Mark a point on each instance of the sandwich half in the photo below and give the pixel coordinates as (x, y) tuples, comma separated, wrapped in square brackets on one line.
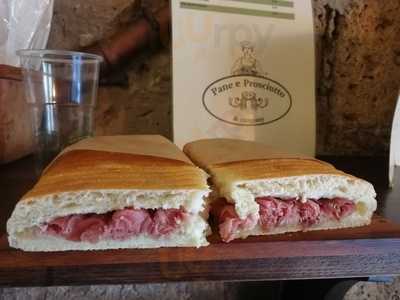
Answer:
[(114, 192), (261, 191)]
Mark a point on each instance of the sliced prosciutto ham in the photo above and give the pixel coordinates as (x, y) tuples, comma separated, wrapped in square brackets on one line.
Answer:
[(165, 221), (274, 212), (337, 208), (229, 221), (92, 229), (118, 225), (129, 222), (76, 227), (309, 212)]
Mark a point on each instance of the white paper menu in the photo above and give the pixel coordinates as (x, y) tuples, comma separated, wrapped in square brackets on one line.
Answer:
[(244, 69), (394, 162)]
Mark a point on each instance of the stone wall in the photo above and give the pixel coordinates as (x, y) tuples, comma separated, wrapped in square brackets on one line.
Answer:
[(170, 291), (359, 74), (359, 71)]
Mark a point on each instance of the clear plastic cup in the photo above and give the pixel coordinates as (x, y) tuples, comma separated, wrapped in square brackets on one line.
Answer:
[(61, 90)]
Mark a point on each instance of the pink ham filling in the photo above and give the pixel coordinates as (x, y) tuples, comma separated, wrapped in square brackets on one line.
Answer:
[(117, 225), (275, 212)]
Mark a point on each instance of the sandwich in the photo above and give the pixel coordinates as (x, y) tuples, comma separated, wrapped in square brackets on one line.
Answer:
[(114, 192), (261, 191)]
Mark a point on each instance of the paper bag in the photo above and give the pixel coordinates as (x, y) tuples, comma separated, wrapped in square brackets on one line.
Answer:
[(244, 69)]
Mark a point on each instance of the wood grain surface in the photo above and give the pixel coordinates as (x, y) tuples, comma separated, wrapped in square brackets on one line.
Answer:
[(365, 251), (10, 72)]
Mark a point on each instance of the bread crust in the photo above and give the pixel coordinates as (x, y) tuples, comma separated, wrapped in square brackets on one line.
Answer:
[(238, 160), (151, 145), (209, 152), (273, 168), (92, 170), (139, 162)]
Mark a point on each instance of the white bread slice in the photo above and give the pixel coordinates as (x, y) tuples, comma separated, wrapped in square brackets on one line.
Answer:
[(190, 234), (123, 171), (243, 193), (241, 171), (351, 221)]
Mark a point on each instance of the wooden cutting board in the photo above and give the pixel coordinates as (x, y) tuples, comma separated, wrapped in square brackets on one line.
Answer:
[(358, 252)]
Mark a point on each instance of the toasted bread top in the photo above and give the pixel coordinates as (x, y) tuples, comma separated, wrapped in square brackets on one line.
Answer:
[(120, 162)]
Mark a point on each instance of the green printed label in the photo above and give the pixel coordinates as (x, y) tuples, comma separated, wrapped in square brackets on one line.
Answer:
[(267, 2), (237, 10)]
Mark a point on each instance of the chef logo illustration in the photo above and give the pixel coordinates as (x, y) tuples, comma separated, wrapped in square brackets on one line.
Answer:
[(247, 64), (248, 100), (247, 96)]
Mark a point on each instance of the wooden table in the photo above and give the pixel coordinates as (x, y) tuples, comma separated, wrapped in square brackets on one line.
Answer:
[(361, 252)]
